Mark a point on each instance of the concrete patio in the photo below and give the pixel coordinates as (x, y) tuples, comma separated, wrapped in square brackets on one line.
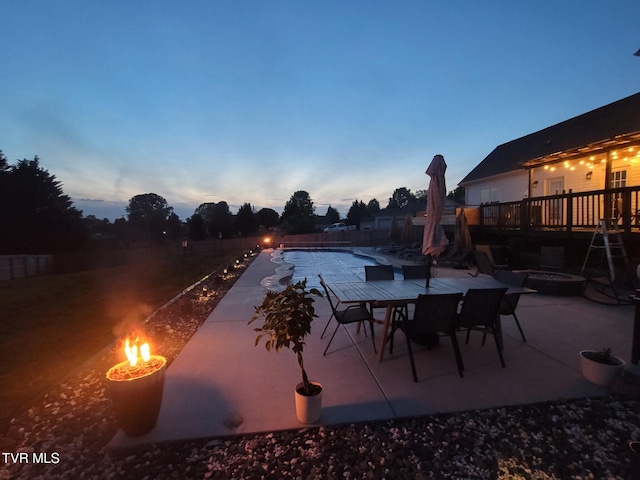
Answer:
[(221, 384)]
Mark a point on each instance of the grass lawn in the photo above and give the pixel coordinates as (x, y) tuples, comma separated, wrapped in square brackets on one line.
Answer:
[(51, 324)]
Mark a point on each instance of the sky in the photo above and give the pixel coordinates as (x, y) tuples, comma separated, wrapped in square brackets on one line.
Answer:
[(251, 101)]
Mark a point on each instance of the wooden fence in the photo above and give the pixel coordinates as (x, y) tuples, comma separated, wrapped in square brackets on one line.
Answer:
[(567, 211)]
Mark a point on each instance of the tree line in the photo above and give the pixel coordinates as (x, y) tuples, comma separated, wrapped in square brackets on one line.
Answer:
[(37, 217)]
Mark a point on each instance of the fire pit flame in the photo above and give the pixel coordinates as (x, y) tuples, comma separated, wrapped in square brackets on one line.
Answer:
[(132, 351)]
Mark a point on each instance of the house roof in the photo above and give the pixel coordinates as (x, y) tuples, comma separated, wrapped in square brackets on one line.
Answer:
[(616, 124)]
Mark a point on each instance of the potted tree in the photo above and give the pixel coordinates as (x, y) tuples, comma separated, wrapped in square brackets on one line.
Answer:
[(287, 321), (601, 366)]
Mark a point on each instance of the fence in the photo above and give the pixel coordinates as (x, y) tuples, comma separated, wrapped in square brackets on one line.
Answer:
[(17, 266), (91, 260), (357, 238)]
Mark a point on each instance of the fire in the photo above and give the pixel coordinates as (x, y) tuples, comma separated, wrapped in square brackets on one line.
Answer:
[(136, 351)]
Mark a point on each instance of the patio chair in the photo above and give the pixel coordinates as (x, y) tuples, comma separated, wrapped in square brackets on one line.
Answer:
[(480, 312), (483, 264), (454, 256), (351, 314), (381, 272), (410, 251), (510, 300), (416, 272), (378, 272), (390, 249), (433, 315), (487, 250)]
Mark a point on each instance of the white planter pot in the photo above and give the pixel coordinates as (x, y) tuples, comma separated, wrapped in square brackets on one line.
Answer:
[(308, 409), (600, 373)]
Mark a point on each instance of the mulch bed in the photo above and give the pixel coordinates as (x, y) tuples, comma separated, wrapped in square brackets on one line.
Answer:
[(71, 425)]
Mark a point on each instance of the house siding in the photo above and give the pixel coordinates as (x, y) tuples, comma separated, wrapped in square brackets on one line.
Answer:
[(507, 188), (559, 158), (514, 186)]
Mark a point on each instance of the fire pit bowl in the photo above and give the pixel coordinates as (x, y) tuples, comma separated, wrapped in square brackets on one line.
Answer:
[(554, 283), (136, 393)]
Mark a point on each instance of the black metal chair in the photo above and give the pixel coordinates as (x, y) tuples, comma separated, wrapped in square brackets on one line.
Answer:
[(489, 252), (416, 272), (433, 315), (480, 312), (351, 314), (483, 264), (378, 272), (510, 300)]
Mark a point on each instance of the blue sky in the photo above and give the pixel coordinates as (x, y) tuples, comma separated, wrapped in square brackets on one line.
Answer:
[(250, 101)]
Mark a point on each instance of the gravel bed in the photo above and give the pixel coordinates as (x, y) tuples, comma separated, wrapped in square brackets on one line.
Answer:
[(70, 427)]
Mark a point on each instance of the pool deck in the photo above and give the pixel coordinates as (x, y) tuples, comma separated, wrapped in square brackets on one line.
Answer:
[(222, 385)]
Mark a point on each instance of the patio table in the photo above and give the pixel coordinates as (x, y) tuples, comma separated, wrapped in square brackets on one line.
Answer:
[(397, 293)]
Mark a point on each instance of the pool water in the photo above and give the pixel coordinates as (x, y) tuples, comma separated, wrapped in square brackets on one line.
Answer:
[(334, 266)]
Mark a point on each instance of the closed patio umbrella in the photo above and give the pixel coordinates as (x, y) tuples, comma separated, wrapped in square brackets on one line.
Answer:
[(434, 240), (394, 230), (462, 238), (407, 229)]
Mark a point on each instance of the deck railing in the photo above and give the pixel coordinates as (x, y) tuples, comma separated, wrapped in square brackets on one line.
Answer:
[(567, 211)]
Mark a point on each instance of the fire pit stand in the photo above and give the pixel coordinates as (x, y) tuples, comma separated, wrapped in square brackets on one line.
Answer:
[(137, 399)]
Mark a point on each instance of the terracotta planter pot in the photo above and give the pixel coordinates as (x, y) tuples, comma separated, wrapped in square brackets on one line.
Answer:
[(137, 400), (308, 408), (600, 373)]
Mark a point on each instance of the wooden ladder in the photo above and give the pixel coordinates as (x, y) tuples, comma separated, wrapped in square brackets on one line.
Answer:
[(607, 241)]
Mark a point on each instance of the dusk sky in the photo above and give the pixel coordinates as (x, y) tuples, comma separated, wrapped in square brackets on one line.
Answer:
[(250, 101)]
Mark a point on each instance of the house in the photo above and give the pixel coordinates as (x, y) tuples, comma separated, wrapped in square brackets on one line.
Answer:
[(383, 219), (598, 150)]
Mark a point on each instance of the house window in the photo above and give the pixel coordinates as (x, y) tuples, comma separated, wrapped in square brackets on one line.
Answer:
[(618, 178), (489, 195)]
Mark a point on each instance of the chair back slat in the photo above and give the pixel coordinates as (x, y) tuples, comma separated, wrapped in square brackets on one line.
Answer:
[(412, 272), (435, 313), (483, 262), (378, 272), (326, 291), (480, 307)]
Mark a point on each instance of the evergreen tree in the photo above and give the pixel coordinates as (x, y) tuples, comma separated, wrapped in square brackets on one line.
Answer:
[(195, 227), (221, 224), (373, 206), (332, 215), (246, 221), (35, 214), (357, 212)]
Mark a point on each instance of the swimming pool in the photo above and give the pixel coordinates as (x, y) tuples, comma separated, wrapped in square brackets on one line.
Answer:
[(334, 266)]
